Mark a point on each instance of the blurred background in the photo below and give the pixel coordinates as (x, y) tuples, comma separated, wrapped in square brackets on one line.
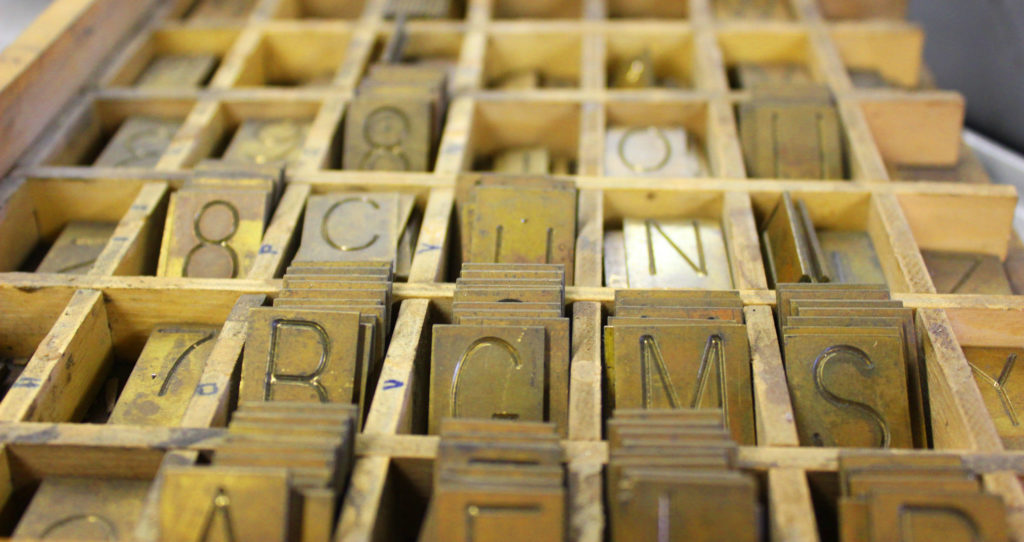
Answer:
[(973, 46)]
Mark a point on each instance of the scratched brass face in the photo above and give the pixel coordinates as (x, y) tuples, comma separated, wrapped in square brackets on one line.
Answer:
[(937, 516), (268, 141), (467, 513), (520, 224), (225, 504), (165, 376), (792, 134), (83, 509), (850, 257), (788, 242), (524, 161), (751, 9), (659, 505), (354, 226), (77, 247), (701, 365), (967, 273), (139, 142), (635, 72), (390, 132), (848, 386), (684, 253), (212, 233), (652, 151), (301, 355), (1002, 387), (221, 9), (492, 372), (178, 71), (775, 74)]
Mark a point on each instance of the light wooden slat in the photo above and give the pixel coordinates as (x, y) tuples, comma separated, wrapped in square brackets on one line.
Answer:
[(585, 373), (133, 246), (281, 237)]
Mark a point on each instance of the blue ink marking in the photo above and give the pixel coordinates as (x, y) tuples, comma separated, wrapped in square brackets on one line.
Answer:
[(27, 382), (453, 149), (391, 384), (427, 247), (267, 249), (120, 239), (208, 388), (140, 207)]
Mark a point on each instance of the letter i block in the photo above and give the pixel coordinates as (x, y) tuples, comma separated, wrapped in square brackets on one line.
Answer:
[(300, 355)]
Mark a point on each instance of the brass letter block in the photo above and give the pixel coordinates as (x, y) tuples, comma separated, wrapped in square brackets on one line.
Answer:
[(165, 376), (750, 75), (427, 9), (850, 257), (967, 273), (947, 516), (268, 141), (177, 71), (848, 386), (696, 365), (224, 504), (77, 247), (518, 223), (389, 132), (301, 355), (354, 226), (790, 245), (791, 134), (212, 233), (83, 509), (524, 161), (757, 10), (489, 372), (472, 513), (139, 142), (651, 151), (688, 253)]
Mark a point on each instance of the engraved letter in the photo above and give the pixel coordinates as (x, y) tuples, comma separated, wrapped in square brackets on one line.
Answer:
[(310, 378), (864, 366), (220, 513), (651, 361), (325, 231), (1000, 385), (482, 355), (700, 268)]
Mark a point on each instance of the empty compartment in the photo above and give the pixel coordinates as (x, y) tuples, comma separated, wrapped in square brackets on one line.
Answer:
[(967, 241), (526, 60), (662, 139), (175, 58), (26, 320), (650, 59), (524, 137), (295, 57), (118, 133)]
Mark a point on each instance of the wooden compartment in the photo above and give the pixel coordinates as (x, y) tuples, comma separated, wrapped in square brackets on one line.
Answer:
[(171, 40), (318, 9), (554, 55), (88, 129), (786, 45), (672, 53), (499, 126), (845, 211), (647, 9), (894, 52), (537, 9), (980, 225), (294, 57)]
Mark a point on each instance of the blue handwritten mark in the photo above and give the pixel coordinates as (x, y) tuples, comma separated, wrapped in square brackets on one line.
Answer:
[(427, 247), (208, 388), (120, 239), (27, 382), (140, 207), (267, 249), (391, 384)]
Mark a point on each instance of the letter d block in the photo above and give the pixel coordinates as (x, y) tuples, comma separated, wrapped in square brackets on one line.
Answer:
[(300, 355)]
